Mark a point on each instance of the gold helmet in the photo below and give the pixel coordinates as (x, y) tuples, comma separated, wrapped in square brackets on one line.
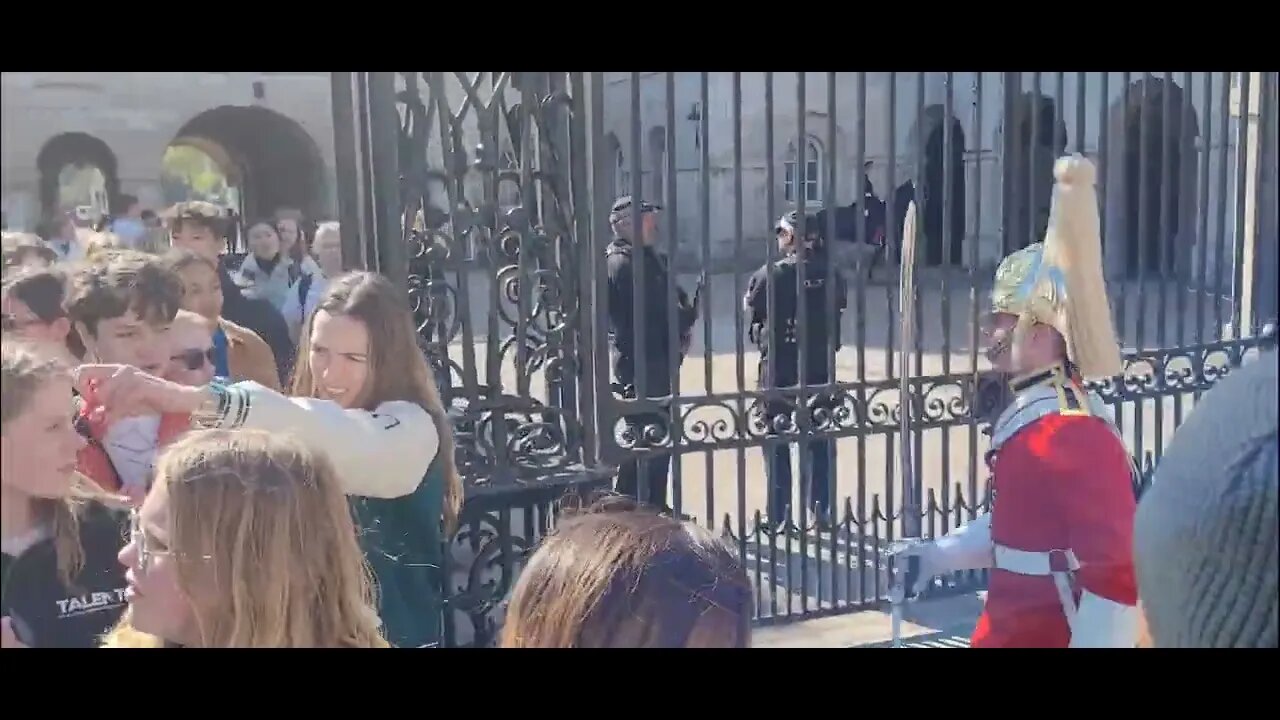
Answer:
[(1059, 282)]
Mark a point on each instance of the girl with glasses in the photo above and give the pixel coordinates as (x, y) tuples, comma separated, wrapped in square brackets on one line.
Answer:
[(245, 540), (61, 585)]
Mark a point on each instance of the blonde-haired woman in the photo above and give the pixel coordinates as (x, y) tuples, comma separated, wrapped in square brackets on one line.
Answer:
[(61, 584), (365, 396), (245, 540)]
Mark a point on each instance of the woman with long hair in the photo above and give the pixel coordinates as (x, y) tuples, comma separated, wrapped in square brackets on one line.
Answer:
[(61, 585), (364, 395), (625, 576), (245, 540)]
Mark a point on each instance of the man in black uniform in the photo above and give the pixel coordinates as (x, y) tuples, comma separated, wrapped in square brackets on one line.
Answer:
[(643, 348), (780, 337)]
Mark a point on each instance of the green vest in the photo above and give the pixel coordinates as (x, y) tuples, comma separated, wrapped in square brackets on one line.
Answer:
[(401, 540)]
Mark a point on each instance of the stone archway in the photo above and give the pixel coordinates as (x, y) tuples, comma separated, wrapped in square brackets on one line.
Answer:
[(273, 160), (615, 180), (657, 170), (1037, 137), (75, 149), (1156, 134), (937, 230)]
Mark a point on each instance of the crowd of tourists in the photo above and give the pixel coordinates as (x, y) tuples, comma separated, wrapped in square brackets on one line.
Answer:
[(201, 451), (198, 454)]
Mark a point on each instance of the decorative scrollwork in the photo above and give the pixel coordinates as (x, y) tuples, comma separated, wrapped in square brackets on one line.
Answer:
[(1174, 371), (485, 556), (487, 194)]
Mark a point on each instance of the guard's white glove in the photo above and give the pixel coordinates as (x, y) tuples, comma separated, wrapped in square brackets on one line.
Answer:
[(968, 547), (927, 553)]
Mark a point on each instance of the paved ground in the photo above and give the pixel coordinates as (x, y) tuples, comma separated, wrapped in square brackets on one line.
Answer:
[(933, 623)]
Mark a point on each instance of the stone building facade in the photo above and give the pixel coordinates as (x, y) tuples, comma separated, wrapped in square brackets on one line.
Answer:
[(1187, 120), (271, 132)]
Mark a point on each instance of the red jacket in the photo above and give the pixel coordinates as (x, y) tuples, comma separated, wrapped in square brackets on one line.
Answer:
[(92, 460), (1061, 482)]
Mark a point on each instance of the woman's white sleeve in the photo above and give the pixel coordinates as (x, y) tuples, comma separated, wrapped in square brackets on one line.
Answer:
[(382, 454)]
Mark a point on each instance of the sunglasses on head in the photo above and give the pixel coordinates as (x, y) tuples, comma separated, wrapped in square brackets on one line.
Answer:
[(194, 359)]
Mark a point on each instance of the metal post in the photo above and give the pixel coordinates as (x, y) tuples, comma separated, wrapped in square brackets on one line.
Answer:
[(348, 168), (389, 224), (365, 132)]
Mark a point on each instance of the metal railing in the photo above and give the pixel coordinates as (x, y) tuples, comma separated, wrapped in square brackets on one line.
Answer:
[(506, 183)]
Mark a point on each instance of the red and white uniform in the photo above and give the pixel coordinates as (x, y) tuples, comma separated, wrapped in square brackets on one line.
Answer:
[(1060, 531)]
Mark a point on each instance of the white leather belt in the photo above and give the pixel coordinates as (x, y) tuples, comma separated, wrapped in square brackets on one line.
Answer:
[(1040, 564), (1026, 562)]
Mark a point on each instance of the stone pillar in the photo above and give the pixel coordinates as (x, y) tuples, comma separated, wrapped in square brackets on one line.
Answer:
[(21, 206)]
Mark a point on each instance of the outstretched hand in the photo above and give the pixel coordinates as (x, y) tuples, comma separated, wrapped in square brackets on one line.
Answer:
[(123, 391), (922, 551)]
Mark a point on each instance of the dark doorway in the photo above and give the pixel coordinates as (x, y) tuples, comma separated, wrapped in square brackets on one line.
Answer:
[(938, 233), (1038, 138), (82, 152), (1153, 167), (276, 163)]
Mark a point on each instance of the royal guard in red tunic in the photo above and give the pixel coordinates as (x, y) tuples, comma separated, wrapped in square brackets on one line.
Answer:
[(1059, 538)]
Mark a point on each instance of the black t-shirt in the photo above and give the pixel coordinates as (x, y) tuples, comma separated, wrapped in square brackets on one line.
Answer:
[(44, 611)]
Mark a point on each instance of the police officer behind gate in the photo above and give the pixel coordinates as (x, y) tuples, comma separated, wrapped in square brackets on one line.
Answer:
[(786, 337), (650, 341)]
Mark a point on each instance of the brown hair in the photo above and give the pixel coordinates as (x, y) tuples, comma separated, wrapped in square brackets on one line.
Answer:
[(621, 575), (23, 371), (16, 247), (197, 212), (44, 291), (179, 259), (41, 289), (261, 524), (109, 286), (375, 301), (302, 246)]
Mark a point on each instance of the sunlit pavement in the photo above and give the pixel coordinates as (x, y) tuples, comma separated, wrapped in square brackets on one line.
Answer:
[(944, 623)]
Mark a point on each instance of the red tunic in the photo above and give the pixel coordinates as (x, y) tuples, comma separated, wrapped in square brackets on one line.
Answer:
[(1061, 482)]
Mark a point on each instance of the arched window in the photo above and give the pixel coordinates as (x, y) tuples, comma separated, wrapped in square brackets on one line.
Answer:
[(809, 178), (621, 178)]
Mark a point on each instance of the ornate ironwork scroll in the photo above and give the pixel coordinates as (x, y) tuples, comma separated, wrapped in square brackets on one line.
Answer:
[(488, 209)]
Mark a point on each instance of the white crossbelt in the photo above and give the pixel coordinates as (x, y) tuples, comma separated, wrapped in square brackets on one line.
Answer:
[(1039, 564)]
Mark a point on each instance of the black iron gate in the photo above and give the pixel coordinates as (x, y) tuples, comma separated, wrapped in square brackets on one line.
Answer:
[(500, 214)]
